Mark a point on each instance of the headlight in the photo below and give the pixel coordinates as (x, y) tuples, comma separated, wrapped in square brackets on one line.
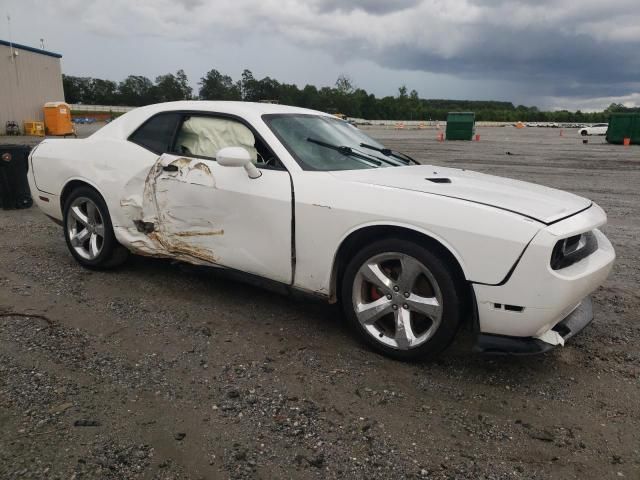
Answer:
[(572, 250)]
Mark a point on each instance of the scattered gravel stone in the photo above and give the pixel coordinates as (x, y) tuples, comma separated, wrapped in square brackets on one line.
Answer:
[(86, 423)]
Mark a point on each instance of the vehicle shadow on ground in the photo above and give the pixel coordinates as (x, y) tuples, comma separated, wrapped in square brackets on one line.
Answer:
[(322, 325), (211, 284)]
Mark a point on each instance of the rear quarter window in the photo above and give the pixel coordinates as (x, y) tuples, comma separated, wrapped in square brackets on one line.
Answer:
[(156, 134)]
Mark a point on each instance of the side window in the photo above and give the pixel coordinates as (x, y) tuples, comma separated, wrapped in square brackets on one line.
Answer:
[(203, 136), (157, 132)]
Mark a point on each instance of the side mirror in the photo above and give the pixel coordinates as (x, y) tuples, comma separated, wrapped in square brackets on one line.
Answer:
[(237, 157)]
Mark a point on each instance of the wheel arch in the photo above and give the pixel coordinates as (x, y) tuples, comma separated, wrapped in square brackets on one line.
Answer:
[(71, 185), (366, 234)]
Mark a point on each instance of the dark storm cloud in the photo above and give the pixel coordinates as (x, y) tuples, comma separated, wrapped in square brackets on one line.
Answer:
[(553, 48), (548, 61), (190, 4), (375, 7)]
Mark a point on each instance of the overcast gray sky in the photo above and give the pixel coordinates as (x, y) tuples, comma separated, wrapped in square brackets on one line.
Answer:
[(550, 53)]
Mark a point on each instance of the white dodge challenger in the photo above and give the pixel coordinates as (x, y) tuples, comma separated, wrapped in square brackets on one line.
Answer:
[(306, 201)]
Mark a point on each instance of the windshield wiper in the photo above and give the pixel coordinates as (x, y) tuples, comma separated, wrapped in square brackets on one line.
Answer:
[(347, 151), (390, 153)]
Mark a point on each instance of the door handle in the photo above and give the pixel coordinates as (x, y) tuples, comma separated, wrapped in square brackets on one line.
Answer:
[(170, 168)]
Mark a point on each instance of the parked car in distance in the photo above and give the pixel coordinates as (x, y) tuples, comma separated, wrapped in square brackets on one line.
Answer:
[(305, 201), (596, 129), (83, 120)]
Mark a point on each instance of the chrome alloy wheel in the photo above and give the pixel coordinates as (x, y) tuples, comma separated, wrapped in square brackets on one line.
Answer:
[(85, 227), (397, 300)]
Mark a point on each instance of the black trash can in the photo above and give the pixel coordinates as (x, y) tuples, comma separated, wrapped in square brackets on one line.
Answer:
[(14, 187)]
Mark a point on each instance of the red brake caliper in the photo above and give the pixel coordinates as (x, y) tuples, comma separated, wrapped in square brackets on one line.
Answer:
[(375, 293)]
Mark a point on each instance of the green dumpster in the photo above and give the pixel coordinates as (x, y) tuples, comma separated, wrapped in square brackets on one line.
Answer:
[(461, 125), (624, 125)]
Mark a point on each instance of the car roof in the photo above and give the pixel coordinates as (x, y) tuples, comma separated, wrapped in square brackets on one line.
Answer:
[(124, 125), (228, 107)]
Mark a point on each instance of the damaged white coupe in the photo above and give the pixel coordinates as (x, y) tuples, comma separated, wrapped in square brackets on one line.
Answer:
[(306, 201)]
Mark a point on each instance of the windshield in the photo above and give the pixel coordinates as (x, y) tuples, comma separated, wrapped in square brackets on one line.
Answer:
[(311, 140)]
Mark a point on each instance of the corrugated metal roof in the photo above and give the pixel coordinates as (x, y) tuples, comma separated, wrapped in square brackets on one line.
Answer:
[(30, 49)]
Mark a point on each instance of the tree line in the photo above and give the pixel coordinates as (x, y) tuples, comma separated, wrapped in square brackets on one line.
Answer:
[(344, 97)]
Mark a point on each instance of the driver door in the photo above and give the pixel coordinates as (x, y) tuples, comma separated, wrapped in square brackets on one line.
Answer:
[(212, 214)]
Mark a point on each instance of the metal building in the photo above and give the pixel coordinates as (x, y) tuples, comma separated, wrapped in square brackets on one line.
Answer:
[(29, 77)]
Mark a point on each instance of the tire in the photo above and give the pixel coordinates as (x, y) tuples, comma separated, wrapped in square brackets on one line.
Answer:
[(584, 133), (408, 279), (96, 248)]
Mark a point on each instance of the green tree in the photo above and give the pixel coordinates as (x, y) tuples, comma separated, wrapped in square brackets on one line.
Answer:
[(344, 85), (172, 87), (248, 86), (215, 86), (309, 97), (343, 97), (136, 90), (101, 92), (76, 89), (266, 89)]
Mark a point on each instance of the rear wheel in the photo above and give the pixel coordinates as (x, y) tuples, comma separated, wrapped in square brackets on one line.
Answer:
[(584, 133), (88, 231), (402, 299)]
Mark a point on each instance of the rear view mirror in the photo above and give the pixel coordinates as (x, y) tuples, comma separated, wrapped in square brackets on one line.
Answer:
[(237, 157)]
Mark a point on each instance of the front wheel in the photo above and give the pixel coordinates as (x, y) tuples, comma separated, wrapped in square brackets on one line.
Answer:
[(88, 231), (584, 133), (402, 299)]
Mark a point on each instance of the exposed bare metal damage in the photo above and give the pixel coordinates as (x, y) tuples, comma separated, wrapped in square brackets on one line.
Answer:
[(200, 234), (163, 231), (178, 248)]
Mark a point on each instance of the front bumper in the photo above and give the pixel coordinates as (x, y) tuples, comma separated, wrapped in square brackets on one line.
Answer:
[(535, 299), (567, 328)]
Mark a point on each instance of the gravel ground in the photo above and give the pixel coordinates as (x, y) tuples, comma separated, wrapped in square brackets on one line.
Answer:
[(162, 371)]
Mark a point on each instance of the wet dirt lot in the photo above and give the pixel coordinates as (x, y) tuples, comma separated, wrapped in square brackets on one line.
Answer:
[(162, 371)]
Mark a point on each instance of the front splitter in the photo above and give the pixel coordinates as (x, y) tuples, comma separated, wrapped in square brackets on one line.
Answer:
[(507, 345)]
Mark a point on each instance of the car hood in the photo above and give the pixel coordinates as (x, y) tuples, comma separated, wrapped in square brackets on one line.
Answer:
[(544, 204)]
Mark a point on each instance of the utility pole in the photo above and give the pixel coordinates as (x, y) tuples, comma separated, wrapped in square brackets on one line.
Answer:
[(10, 39)]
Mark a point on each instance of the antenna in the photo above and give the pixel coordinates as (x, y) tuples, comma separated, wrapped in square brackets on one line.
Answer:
[(42, 43)]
